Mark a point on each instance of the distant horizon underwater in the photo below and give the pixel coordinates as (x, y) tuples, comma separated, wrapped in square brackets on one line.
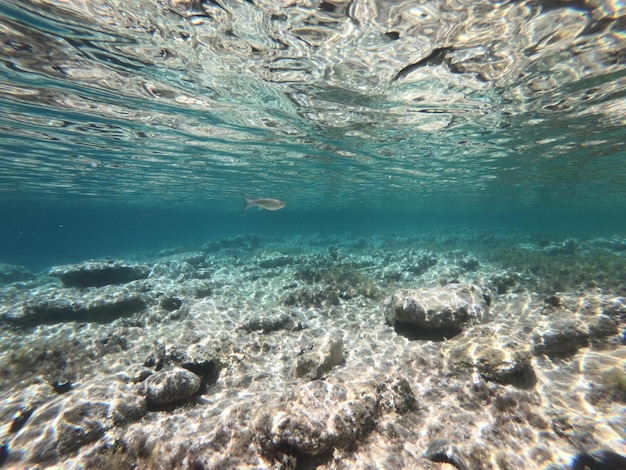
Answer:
[(445, 286)]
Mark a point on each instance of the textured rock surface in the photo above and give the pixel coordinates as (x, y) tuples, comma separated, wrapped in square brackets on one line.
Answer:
[(99, 305), (267, 324), (99, 273), (64, 424), (325, 416), (384, 400), (559, 338), (496, 358), (446, 309), (441, 450), (395, 394), (166, 387), (312, 365)]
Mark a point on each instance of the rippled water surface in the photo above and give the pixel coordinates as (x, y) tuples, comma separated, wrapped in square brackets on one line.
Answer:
[(333, 104)]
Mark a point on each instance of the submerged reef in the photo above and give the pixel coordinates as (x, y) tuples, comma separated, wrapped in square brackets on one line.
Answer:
[(446, 350)]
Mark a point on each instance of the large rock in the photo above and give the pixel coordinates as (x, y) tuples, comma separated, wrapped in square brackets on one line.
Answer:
[(63, 425), (172, 386), (99, 305), (324, 417), (437, 312), (99, 273)]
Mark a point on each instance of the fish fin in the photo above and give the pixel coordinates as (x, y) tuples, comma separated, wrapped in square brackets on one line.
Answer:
[(246, 202)]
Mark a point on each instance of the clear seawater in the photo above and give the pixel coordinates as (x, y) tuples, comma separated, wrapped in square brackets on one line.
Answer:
[(464, 155), (136, 125)]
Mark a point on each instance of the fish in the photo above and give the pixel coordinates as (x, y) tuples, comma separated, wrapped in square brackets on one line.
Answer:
[(262, 203)]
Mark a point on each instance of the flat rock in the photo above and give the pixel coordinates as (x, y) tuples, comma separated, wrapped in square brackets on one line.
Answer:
[(99, 273), (441, 311), (172, 386), (99, 305), (324, 417), (66, 423)]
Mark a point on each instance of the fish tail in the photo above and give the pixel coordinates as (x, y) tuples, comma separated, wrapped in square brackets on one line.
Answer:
[(247, 203)]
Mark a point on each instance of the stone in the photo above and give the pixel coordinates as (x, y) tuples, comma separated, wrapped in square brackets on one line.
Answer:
[(497, 359), (441, 450), (312, 365), (599, 460), (171, 386), (66, 423), (559, 338), (99, 305), (602, 327), (441, 311), (324, 417), (268, 324), (99, 273), (395, 394)]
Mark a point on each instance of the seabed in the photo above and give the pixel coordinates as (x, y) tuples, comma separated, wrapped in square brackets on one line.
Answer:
[(455, 349)]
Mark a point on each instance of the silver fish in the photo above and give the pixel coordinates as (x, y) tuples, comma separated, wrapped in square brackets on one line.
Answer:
[(263, 203)]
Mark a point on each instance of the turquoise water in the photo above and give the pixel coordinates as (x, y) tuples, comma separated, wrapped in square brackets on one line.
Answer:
[(139, 126), (447, 280)]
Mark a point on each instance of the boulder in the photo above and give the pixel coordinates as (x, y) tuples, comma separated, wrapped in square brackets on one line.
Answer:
[(58, 305), (436, 312), (171, 386), (99, 273), (497, 359), (324, 417)]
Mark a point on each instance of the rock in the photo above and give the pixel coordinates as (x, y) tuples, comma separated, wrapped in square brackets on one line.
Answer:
[(12, 273), (497, 359), (167, 387), (558, 338), (602, 327), (438, 312), (441, 450), (395, 394), (170, 302), (99, 305), (599, 460), (324, 417), (267, 324), (312, 365), (615, 307), (99, 273), (66, 423)]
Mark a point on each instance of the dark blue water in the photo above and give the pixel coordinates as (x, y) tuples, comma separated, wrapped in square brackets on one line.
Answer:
[(40, 236)]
